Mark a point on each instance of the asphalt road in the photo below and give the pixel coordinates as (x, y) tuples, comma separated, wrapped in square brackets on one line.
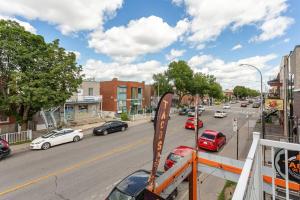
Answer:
[(90, 168)]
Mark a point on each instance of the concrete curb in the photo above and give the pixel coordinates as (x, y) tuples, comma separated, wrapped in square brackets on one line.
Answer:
[(26, 147)]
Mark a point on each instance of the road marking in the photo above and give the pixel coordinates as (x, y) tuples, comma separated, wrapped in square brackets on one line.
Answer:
[(76, 166)]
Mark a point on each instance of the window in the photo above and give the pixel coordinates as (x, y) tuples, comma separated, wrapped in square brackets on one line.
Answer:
[(82, 108), (140, 94), (68, 131), (208, 136), (91, 91), (134, 93), (4, 118)]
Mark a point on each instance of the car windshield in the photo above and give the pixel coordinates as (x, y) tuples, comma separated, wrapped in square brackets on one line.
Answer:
[(118, 195), (174, 157), (49, 134), (208, 136)]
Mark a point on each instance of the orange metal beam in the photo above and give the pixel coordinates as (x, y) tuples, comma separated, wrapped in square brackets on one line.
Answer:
[(171, 178), (193, 186)]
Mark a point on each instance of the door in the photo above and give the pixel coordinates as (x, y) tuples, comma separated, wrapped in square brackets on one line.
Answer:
[(221, 139), (115, 126), (68, 136), (58, 138)]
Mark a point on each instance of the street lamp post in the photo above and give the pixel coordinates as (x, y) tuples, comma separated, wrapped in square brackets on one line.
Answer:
[(261, 96)]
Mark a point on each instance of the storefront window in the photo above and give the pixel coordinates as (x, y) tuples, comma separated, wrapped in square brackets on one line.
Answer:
[(83, 108)]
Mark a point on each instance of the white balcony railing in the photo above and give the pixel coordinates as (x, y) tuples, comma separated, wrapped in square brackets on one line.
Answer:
[(86, 99)]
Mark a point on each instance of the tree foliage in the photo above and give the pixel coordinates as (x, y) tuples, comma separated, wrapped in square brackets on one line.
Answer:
[(187, 82), (161, 83), (34, 74), (242, 91), (181, 74)]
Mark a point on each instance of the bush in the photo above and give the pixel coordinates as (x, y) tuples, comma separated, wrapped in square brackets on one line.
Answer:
[(124, 116)]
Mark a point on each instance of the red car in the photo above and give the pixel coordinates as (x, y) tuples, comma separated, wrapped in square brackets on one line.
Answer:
[(176, 155), (211, 140), (189, 124)]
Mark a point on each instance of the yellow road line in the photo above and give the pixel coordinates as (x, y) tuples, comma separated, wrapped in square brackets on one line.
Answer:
[(75, 166)]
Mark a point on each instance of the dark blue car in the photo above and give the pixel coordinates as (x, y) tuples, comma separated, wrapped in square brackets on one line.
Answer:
[(132, 187)]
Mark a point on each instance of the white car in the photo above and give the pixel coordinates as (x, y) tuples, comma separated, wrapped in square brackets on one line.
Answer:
[(220, 114), (226, 106), (56, 137), (201, 108)]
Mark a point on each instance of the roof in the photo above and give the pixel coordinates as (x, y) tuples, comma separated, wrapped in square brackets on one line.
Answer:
[(183, 150), (212, 132), (134, 183)]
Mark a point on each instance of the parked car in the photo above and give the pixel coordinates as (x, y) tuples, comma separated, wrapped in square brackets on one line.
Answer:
[(220, 114), (56, 137), (152, 117), (211, 140), (189, 124), (133, 186), (201, 108), (4, 148), (177, 154), (250, 101), (256, 105), (110, 127), (244, 104), (226, 106), (191, 113), (183, 111)]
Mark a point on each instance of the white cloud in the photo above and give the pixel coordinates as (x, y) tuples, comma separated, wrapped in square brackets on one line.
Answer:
[(26, 25), (273, 28), (174, 54), (69, 15), (236, 47), (139, 37), (230, 74), (286, 40), (211, 17), (133, 72)]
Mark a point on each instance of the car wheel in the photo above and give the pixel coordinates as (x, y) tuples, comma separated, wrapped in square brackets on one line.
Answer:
[(123, 128), (105, 132), (46, 146), (218, 148), (76, 139)]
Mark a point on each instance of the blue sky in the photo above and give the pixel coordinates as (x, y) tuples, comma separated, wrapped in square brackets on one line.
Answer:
[(132, 39)]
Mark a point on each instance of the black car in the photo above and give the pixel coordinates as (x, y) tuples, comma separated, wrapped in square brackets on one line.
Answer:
[(110, 127), (132, 187), (4, 148)]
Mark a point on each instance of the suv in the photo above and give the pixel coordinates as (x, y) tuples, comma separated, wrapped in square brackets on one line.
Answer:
[(4, 148)]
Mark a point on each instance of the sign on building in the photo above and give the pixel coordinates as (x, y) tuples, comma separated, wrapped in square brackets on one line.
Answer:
[(274, 104), (293, 164)]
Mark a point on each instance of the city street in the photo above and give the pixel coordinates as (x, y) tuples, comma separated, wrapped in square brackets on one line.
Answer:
[(90, 168)]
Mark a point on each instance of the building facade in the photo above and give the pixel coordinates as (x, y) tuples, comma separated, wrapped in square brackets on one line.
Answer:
[(86, 103), (7, 124), (123, 96)]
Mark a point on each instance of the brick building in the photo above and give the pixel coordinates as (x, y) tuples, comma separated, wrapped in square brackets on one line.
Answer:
[(7, 124), (122, 96)]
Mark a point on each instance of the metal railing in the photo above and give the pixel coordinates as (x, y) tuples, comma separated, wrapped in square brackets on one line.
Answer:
[(86, 99), (252, 181), (13, 138)]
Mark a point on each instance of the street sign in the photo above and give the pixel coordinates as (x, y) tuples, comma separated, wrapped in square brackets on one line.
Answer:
[(235, 125)]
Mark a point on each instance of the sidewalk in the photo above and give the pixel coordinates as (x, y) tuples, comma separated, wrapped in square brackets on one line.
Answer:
[(229, 150), (25, 147)]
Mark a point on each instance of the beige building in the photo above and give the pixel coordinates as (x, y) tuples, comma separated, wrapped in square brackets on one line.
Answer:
[(86, 103)]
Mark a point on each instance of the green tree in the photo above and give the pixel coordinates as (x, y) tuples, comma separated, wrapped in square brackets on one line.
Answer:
[(161, 83), (200, 85), (242, 91), (182, 75), (34, 74)]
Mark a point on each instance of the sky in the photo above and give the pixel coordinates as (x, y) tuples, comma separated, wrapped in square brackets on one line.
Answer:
[(133, 39)]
